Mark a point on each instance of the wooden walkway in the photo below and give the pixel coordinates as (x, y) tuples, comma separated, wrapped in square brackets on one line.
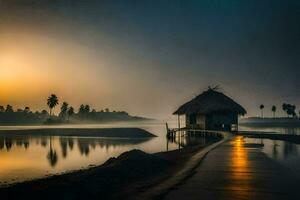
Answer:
[(237, 170)]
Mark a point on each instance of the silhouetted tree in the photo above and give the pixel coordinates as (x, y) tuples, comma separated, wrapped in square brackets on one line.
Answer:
[(84, 110), (9, 109), (289, 109), (52, 101), (70, 112), (106, 110), (63, 110), (81, 110), (2, 109), (87, 109), (27, 109), (274, 108), (261, 107), (44, 112), (284, 107)]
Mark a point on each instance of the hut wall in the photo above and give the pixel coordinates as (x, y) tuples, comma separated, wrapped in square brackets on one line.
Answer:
[(195, 121), (187, 121), (201, 121), (221, 121)]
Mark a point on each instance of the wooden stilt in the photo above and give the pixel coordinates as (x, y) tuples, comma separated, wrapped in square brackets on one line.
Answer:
[(178, 121)]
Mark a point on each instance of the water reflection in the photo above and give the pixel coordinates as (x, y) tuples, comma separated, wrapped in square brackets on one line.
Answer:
[(281, 130), (52, 155), (29, 157), (239, 158), (286, 153), (23, 158), (66, 144), (187, 138)]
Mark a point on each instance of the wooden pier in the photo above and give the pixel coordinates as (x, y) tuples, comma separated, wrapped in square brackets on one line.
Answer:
[(180, 132), (237, 170)]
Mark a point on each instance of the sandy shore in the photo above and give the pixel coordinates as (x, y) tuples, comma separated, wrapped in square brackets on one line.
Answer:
[(81, 132), (118, 178)]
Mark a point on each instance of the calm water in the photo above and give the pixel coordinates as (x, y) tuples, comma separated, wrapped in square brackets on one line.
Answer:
[(281, 130), (23, 158), (285, 153)]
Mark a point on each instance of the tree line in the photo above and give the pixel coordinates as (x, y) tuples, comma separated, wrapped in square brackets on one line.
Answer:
[(289, 109), (66, 113)]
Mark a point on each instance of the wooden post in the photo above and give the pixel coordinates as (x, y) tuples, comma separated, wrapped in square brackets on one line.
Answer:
[(178, 121), (168, 131)]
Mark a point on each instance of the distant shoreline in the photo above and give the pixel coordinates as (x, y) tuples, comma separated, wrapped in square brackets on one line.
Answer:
[(270, 122), (73, 122)]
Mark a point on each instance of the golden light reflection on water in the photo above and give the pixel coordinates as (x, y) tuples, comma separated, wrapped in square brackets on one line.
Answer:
[(23, 158), (33, 157), (240, 164), (240, 156)]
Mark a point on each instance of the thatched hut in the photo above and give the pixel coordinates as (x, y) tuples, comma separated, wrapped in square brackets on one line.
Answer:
[(211, 110)]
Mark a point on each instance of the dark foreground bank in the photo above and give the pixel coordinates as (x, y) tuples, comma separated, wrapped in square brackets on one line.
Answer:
[(81, 132), (118, 178)]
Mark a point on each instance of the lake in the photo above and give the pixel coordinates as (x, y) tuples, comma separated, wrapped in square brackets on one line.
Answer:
[(23, 158), (281, 130), (285, 153)]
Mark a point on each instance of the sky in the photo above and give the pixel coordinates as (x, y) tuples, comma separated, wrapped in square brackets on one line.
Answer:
[(148, 57)]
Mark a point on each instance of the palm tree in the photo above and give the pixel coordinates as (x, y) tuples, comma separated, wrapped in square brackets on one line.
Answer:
[(261, 107), (274, 108), (52, 101), (87, 108), (70, 112), (27, 109), (9, 109), (81, 110), (284, 107), (64, 110), (2, 109)]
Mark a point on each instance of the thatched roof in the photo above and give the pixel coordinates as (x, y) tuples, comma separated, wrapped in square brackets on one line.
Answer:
[(208, 102)]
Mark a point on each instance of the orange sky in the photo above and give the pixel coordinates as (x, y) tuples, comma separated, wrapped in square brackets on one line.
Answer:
[(32, 66)]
